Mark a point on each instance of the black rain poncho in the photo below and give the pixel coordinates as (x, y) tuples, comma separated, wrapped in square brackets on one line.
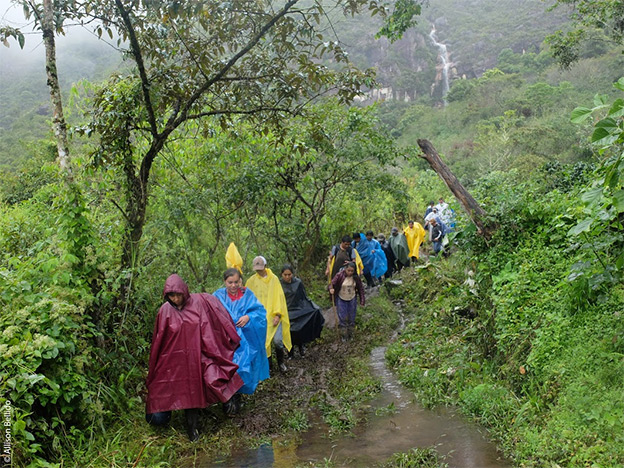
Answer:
[(306, 319)]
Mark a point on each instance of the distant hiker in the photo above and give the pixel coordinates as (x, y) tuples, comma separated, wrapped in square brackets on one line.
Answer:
[(344, 287), (429, 208), (249, 316), (391, 259), (398, 243), (191, 364), (444, 211), (428, 218), (373, 258), (268, 289), (436, 236), (415, 234), (340, 255), (306, 319)]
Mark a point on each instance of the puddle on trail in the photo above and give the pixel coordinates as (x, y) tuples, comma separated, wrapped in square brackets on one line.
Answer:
[(384, 434)]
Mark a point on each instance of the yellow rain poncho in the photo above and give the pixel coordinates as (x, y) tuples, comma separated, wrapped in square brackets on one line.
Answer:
[(233, 259), (415, 237), (358, 264), (269, 292)]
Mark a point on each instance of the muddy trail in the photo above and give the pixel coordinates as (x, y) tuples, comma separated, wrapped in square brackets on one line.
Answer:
[(384, 421)]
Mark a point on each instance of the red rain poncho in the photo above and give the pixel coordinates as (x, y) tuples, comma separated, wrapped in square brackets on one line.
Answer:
[(191, 359)]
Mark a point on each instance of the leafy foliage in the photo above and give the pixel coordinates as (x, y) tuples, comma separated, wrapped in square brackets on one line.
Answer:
[(593, 21), (599, 231), (506, 331)]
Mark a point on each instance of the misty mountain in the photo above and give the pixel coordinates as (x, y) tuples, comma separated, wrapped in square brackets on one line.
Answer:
[(474, 31)]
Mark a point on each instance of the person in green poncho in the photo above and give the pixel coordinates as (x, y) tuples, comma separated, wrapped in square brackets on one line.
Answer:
[(398, 244)]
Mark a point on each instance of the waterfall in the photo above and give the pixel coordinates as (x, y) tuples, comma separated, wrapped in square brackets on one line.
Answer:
[(445, 62)]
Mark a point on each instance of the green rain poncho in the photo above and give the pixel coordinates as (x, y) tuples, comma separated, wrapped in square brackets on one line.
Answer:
[(399, 247)]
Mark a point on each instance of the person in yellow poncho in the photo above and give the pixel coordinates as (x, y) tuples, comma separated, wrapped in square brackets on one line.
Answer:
[(415, 234), (268, 289)]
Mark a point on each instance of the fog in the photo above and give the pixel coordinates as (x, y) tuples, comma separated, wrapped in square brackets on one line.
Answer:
[(79, 51)]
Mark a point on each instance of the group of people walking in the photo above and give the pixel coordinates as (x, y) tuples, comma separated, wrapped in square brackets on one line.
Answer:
[(209, 349)]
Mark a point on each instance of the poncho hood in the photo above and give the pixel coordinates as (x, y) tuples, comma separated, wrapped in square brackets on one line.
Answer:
[(175, 284)]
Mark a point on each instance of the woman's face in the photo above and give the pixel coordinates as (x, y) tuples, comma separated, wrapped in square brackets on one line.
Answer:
[(287, 276), (349, 271), (176, 298), (233, 284)]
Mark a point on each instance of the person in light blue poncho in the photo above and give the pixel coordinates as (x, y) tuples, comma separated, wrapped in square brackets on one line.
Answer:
[(373, 257), (249, 315)]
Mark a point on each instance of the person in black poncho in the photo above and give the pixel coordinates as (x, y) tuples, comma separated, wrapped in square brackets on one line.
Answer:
[(306, 319)]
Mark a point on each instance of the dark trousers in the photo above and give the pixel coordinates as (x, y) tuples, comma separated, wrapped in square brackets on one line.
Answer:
[(346, 312), (369, 278), (163, 418)]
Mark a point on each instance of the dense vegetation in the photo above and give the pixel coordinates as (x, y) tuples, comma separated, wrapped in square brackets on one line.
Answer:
[(524, 332)]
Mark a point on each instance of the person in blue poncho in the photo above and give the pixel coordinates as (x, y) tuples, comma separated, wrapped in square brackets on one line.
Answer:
[(249, 316), (373, 257)]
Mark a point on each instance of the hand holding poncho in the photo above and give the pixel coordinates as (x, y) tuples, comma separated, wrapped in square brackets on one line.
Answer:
[(269, 292), (253, 366)]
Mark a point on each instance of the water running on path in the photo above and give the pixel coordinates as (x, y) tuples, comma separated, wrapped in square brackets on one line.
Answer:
[(394, 424)]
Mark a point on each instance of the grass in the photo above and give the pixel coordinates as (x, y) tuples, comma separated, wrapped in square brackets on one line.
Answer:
[(416, 458), (546, 382)]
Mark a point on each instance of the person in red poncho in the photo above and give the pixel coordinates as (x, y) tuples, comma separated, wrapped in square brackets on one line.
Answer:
[(191, 360)]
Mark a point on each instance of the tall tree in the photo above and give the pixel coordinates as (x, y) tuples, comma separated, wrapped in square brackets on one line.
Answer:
[(197, 61), (58, 120)]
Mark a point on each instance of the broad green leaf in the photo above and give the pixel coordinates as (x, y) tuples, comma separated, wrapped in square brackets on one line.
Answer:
[(618, 201), (619, 84), (603, 137), (608, 124), (583, 226), (592, 196), (580, 114), (617, 109), (600, 100)]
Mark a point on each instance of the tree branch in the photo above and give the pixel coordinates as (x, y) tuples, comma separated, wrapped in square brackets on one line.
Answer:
[(138, 57), (230, 63), (238, 112)]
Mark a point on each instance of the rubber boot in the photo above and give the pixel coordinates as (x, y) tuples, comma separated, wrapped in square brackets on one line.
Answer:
[(280, 353), (302, 349), (192, 423), (233, 405), (343, 333), (350, 330)]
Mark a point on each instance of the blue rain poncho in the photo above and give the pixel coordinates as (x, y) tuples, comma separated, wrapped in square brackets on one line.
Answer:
[(373, 256), (253, 365)]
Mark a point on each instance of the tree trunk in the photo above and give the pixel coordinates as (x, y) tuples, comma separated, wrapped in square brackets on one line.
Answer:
[(58, 119), (470, 205)]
